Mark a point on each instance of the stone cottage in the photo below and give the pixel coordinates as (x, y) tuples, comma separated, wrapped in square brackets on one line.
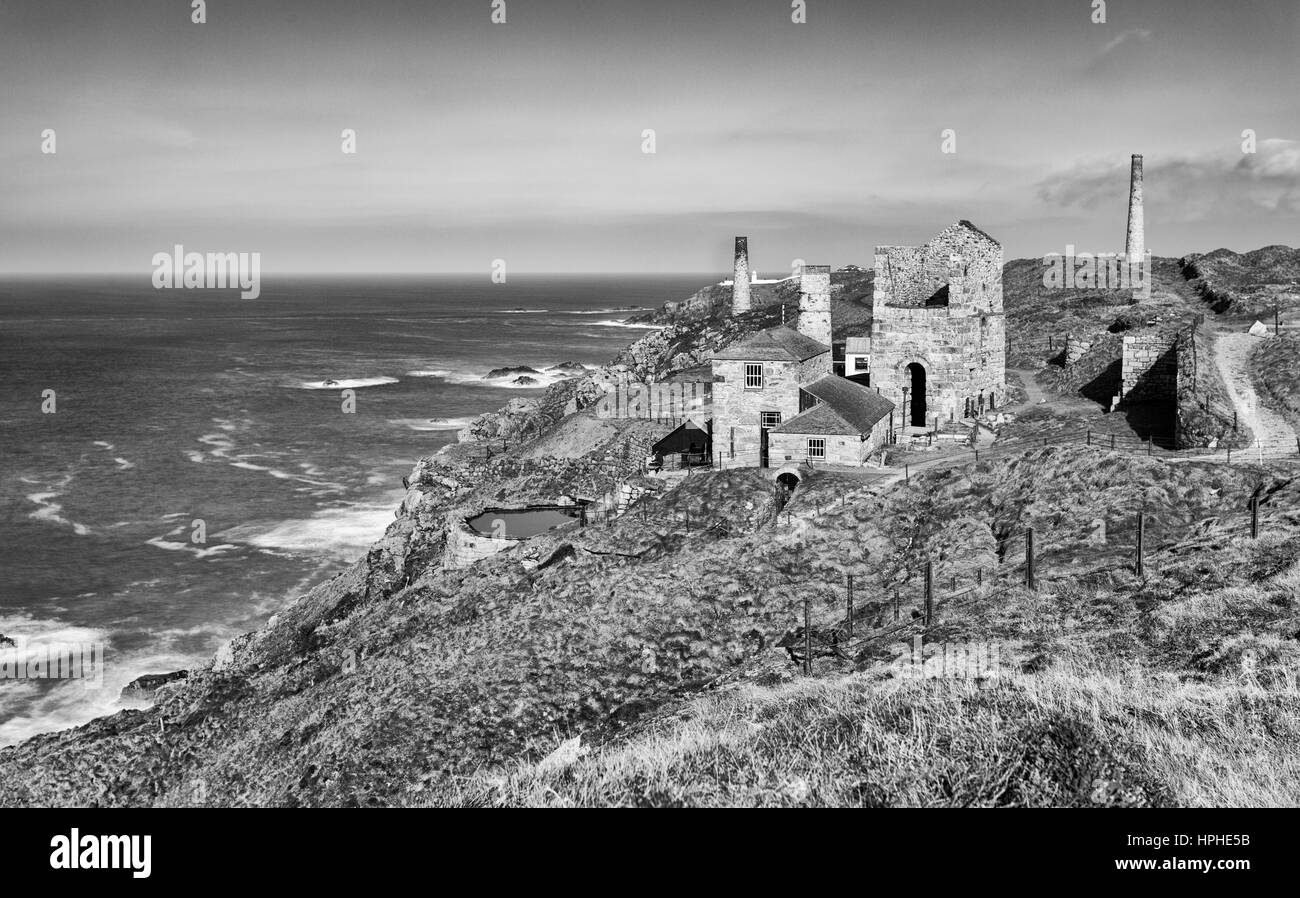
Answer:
[(783, 376), (841, 423)]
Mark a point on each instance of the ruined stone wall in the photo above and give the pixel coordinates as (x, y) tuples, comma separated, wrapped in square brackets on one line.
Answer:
[(1075, 348), (464, 546), (962, 346), (1149, 370), (815, 303), (656, 401), (969, 262), (963, 353)]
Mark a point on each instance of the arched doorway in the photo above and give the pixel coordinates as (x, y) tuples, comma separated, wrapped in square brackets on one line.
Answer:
[(916, 372), (788, 480)]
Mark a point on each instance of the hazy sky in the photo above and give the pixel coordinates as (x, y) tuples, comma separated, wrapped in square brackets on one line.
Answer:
[(523, 141)]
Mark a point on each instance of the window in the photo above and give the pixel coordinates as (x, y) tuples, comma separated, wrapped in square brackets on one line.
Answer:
[(816, 447), (862, 363), (769, 419), (753, 376)]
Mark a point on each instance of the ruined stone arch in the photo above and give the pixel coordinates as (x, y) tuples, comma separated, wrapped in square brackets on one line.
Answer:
[(915, 374)]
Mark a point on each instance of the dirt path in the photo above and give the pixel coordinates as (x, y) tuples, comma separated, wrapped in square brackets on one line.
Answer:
[(1232, 354), (1033, 392)]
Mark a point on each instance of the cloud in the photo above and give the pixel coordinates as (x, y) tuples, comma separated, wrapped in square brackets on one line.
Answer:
[(1141, 35), (1191, 188)]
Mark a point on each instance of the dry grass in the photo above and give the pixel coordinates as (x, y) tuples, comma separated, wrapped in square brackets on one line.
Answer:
[(1071, 737), (1177, 690)]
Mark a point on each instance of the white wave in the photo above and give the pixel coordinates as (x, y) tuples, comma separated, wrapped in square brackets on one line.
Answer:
[(283, 475), (29, 707), (220, 445), (107, 447), (171, 546), (52, 512), (427, 424), (341, 533), (543, 378), (628, 311), (354, 383), (194, 455), (124, 464), (460, 376), (610, 322), (522, 311)]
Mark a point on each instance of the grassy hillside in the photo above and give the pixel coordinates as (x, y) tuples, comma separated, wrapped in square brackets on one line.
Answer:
[(1275, 369), (1176, 689), (1247, 285), (400, 682)]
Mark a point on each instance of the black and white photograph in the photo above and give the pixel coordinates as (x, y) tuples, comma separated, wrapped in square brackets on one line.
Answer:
[(651, 403)]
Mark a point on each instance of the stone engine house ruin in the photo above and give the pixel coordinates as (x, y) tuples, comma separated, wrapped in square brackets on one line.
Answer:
[(938, 331)]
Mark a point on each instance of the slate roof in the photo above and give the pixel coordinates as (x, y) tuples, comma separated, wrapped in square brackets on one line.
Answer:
[(845, 408), (776, 344)]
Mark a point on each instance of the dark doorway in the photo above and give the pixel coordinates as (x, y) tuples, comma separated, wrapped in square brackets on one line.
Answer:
[(917, 371), (762, 447), (788, 480)]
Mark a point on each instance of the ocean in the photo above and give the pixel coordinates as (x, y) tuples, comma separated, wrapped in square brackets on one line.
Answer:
[(178, 413)]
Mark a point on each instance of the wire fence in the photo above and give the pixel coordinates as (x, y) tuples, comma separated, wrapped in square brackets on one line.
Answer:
[(1029, 559)]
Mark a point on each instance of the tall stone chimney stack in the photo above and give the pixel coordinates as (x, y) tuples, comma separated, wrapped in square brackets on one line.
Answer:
[(740, 278), (1135, 243), (815, 303)]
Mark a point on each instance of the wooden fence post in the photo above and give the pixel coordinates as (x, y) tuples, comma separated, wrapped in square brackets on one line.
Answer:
[(807, 635), (1139, 566), (849, 613), (1254, 517), (929, 591), (1030, 579), (895, 603)]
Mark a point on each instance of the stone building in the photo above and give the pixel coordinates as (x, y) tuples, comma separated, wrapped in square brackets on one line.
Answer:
[(756, 383), (938, 331), (775, 397), (841, 423)]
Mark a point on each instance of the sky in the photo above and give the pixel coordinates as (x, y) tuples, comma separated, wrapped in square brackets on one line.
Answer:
[(523, 141)]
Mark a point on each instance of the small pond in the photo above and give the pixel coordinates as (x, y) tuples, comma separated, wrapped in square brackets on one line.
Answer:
[(521, 523)]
